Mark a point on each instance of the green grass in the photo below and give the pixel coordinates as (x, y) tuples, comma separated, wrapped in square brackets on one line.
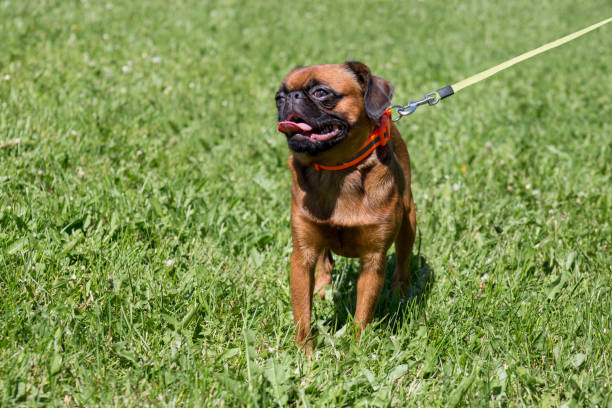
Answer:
[(144, 213)]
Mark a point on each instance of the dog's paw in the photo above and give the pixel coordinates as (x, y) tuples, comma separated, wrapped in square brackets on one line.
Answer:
[(323, 292), (400, 289)]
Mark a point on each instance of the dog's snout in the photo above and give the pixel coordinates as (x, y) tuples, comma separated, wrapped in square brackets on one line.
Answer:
[(294, 117), (288, 109)]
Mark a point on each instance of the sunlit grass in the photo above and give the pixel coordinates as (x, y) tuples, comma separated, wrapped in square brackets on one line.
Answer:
[(144, 207)]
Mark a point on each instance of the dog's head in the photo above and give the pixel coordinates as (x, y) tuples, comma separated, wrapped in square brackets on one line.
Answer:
[(323, 106)]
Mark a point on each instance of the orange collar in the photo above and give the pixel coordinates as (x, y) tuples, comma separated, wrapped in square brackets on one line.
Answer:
[(378, 137)]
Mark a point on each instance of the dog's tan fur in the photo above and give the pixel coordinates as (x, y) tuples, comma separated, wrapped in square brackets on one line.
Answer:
[(357, 212)]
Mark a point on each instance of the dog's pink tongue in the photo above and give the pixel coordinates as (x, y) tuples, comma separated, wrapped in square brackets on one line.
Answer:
[(293, 127)]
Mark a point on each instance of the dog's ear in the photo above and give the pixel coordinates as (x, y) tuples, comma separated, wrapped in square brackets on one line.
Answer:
[(377, 91)]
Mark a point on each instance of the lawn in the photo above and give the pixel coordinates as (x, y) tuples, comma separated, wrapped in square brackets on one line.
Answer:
[(144, 207)]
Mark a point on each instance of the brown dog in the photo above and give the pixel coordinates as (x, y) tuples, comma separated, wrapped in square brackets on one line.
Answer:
[(350, 191)]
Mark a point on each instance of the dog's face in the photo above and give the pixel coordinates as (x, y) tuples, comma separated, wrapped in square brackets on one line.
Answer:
[(321, 106)]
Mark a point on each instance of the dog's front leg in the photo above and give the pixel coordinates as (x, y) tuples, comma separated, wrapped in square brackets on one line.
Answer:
[(303, 263), (369, 285)]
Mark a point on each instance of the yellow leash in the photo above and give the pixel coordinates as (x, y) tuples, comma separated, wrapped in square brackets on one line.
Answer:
[(434, 97), (492, 71)]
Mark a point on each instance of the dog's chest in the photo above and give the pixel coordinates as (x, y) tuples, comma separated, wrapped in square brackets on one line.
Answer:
[(350, 202), (355, 217)]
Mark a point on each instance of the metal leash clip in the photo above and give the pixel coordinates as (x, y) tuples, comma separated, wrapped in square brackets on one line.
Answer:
[(431, 98)]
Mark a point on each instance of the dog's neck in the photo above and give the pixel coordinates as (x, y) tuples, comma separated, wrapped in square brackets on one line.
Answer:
[(378, 137)]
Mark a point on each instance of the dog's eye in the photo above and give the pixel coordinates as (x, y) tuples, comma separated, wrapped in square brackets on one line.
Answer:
[(320, 93)]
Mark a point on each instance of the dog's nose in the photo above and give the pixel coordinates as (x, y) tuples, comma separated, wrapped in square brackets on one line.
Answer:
[(296, 95)]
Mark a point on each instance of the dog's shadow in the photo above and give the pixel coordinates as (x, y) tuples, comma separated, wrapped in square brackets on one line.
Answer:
[(390, 310)]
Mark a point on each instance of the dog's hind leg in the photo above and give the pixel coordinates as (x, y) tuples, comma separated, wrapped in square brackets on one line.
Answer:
[(325, 264), (403, 249)]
